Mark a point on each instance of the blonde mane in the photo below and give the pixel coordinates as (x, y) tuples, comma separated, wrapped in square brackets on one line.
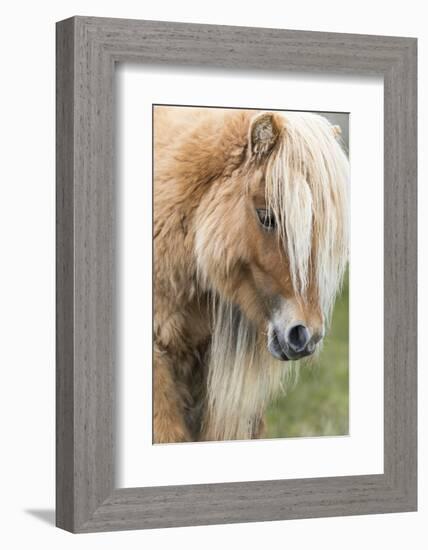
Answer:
[(243, 377)]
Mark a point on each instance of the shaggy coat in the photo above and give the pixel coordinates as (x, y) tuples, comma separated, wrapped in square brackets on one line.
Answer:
[(220, 279)]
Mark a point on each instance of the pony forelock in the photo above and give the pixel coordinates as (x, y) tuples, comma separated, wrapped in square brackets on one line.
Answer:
[(307, 190)]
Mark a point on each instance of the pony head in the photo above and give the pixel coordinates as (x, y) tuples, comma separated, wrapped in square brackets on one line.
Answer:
[(272, 231)]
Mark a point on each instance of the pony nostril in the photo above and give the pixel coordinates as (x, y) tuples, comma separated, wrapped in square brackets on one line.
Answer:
[(298, 337)]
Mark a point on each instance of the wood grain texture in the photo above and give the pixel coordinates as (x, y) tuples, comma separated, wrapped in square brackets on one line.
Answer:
[(87, 50), (64, 277)]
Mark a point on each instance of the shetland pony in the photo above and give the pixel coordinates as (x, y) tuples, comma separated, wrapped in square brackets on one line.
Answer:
[(250, 247)]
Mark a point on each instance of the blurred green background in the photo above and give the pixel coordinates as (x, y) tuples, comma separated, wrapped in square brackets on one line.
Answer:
[(319, 402)]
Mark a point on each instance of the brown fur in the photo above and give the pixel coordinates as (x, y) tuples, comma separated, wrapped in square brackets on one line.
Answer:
[(209, 178)]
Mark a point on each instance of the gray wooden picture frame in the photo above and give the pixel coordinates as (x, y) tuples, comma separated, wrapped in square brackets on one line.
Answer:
[(87, 51)]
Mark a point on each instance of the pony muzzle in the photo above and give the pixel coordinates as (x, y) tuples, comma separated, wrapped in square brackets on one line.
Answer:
[(292, 343)]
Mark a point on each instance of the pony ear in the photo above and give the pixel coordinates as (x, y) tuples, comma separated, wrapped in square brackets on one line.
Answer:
[(337, 131), (264, 132)]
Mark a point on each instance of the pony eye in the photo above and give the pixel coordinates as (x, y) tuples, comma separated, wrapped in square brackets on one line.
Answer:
[(266, 218)]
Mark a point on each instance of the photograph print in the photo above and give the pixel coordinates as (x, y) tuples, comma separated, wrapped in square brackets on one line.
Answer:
[(250, 274)]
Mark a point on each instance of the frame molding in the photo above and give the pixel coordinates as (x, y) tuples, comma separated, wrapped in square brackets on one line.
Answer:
[(87, 50)]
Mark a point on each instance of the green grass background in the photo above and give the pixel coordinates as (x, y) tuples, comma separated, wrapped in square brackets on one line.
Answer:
[(319, 403)]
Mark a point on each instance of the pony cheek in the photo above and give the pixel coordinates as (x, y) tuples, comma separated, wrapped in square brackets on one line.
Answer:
[(251, 303), (272, 284)]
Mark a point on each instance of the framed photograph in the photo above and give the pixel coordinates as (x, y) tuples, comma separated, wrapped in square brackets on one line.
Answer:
[(236, 274)]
